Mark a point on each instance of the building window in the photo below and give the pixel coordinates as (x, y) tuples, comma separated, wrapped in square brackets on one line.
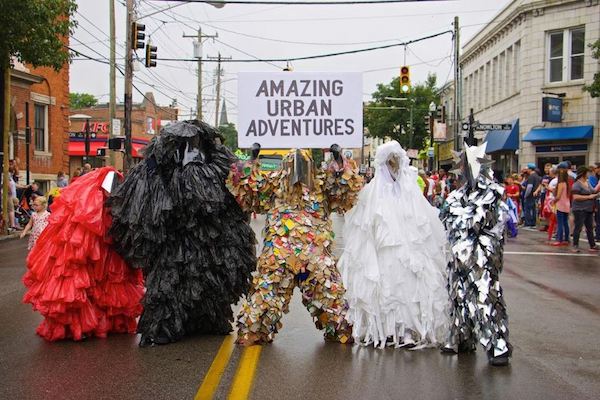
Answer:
[(577, 49), (40, 128), (565, 55)]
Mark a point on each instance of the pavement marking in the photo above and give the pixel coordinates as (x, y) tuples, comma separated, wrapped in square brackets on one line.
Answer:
[(244, 376), (215, 372), (548, 253), (557, 292)]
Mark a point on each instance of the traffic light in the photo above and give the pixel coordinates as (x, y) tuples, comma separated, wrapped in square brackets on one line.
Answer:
[(150, 55), (137, 35), (405, 79)]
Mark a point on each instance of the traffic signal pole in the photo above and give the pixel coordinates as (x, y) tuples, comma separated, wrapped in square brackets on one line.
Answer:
[(128, 161)]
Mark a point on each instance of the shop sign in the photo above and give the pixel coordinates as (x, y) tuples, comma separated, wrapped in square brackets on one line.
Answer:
[(561, 147), (445, 150), (551, 109)]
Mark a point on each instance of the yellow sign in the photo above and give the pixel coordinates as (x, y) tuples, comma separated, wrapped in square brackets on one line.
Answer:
[(445, 150)]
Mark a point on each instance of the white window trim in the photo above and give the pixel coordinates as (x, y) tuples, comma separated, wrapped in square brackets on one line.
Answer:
[(566, 56), (46, 151)]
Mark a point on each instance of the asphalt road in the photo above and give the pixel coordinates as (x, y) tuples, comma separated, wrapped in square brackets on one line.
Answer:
[(554, 308)]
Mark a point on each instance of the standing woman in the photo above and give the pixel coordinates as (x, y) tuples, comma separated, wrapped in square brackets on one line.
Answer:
[(563, 208), (584, 197)]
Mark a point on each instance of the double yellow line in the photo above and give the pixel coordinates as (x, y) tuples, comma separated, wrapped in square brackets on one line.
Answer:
[(244, 376)]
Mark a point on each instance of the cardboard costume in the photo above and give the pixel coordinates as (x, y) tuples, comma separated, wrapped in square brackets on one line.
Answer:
[(174, 218), (297, 200)]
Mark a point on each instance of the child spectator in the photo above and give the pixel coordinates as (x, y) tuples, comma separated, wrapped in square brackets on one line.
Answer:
[(38, 221)]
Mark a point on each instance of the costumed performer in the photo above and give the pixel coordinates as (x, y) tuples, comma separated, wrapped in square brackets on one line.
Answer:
[(297, 200), (475, 219), (174, 218), (74, 278), (394, 260)]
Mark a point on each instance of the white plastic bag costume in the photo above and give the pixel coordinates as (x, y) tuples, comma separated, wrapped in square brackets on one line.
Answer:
[(394, 260)]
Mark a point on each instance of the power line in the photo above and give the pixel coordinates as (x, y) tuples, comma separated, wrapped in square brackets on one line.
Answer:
[(347, 18), (302, 58), (302, 3)]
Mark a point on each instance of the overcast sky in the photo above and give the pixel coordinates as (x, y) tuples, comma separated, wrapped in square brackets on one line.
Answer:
[(272, 31)]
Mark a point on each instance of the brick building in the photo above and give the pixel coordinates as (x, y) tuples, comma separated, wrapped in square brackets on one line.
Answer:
[(147, 119), (45, 93)]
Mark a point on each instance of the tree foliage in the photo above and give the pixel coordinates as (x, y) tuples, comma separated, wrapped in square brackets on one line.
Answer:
[(382, 121), (230, 134), (35, 31), (594, 88), (82, 100)]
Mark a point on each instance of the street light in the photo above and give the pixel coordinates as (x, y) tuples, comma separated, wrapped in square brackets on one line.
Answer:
[(430, 151)]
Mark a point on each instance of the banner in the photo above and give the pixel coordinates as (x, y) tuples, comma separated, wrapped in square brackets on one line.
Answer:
[(282, 110)]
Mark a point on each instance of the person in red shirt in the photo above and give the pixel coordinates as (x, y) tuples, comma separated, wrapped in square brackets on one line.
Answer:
[(514, 192)]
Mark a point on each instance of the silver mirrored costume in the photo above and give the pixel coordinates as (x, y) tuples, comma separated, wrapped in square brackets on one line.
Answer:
[(474, 217)]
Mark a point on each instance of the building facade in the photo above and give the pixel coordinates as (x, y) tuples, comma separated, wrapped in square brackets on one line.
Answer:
[(527, 68), (146, 120), (40, 97)]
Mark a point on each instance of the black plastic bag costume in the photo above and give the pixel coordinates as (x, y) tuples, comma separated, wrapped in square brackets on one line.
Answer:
[(474, 217), (174, 217)]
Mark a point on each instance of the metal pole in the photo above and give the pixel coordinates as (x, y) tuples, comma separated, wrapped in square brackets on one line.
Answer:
[(27, 143), (128, 87), (431, 117), (218, 100), (456, 112), (87, 140), (471, 139), (112, 114), (412, 129), (5, 150)]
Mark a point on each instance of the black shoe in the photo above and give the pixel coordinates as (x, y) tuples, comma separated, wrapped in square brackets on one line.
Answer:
[(498, 361)]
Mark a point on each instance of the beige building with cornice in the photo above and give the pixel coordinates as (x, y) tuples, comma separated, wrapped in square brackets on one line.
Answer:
[(531, 50)]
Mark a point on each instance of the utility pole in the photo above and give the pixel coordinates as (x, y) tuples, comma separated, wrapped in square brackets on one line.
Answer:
[(128, 161), (112, 114), (456, 117), (198, 55), (218, 100), (218, 97)]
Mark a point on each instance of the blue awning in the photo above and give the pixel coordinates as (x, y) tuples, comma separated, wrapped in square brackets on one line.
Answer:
[(503, 140), (558, 134)]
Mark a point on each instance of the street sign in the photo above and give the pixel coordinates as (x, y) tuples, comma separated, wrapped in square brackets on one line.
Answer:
[(493, 127)]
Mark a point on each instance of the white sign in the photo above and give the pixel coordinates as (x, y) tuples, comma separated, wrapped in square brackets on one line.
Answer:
[(116, 127), (439, 132), (282, 110)]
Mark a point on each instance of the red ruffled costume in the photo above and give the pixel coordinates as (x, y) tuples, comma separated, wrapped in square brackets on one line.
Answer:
[(74, 278)]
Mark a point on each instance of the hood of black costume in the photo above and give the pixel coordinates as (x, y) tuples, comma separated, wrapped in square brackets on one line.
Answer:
[(174, 217)]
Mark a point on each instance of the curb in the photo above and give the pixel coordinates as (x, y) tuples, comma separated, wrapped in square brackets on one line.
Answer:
[(10, 237)]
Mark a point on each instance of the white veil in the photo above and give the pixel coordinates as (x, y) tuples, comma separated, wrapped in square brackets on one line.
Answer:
[(385, 182)]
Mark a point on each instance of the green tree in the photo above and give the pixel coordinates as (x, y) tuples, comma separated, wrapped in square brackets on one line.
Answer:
[(594, 88), (383, 121), (230, 134), (33, 32), (82, 100)]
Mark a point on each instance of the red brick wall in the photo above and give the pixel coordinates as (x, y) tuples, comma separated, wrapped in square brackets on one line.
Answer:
[(56, 85)]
